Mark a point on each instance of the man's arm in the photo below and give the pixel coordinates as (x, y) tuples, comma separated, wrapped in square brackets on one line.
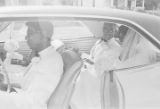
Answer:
[(87, 59)]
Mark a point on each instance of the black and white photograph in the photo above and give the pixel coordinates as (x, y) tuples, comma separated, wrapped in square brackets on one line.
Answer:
[(79, 54)]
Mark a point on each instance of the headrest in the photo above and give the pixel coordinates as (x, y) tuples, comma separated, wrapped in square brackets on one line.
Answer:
[(57, 44)]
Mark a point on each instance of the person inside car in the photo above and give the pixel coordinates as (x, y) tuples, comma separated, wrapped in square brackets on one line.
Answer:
[(103, 54), (136, 50), (106, 50), (122, 31), (43, 74)]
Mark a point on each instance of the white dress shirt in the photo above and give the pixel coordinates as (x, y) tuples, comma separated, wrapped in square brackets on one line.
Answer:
[(87, 91), (106, 55), (38, 83)]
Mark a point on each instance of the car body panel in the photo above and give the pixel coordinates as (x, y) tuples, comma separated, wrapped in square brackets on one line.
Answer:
[(141, 86)]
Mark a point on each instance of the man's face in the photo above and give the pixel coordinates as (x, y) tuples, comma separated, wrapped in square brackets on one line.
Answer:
[(34, 39), (108, 31)]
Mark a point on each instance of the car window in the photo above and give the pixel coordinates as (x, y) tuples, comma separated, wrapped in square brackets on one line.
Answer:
[(137, 50), (70, 31), (64, 30), (131, 42), (14, 30), (103, 49)]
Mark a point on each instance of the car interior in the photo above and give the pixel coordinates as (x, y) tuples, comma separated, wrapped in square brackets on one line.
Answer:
[(80, 34), (62, 95)]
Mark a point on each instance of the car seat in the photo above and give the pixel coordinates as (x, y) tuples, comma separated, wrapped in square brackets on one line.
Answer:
[(61, 96)]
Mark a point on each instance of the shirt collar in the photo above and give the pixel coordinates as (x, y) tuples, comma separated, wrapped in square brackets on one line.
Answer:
[(110, 41), (45, 52)]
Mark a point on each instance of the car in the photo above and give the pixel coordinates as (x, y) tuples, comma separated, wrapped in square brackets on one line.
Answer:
[(133, 81)]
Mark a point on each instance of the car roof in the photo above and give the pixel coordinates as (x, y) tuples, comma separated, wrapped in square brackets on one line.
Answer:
[(148, 23)]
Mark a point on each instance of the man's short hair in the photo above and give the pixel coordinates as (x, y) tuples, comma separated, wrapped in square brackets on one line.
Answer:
[(44, 27), (110, 27)]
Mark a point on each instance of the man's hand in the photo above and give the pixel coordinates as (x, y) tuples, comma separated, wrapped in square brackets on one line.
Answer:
[(4, 87), (86, 58), (89, 61)]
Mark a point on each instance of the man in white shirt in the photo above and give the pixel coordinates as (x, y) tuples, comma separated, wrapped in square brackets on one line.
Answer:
[(106, 50), (104, 53), (43, 74)]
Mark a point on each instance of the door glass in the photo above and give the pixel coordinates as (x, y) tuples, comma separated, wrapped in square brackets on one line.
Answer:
[(137, 50)]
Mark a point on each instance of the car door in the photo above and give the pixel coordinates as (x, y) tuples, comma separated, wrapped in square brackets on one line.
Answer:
[(140, 86), (135, 82)]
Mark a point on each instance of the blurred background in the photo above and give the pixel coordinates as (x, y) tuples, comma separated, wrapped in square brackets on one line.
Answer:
[(149, 6)]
